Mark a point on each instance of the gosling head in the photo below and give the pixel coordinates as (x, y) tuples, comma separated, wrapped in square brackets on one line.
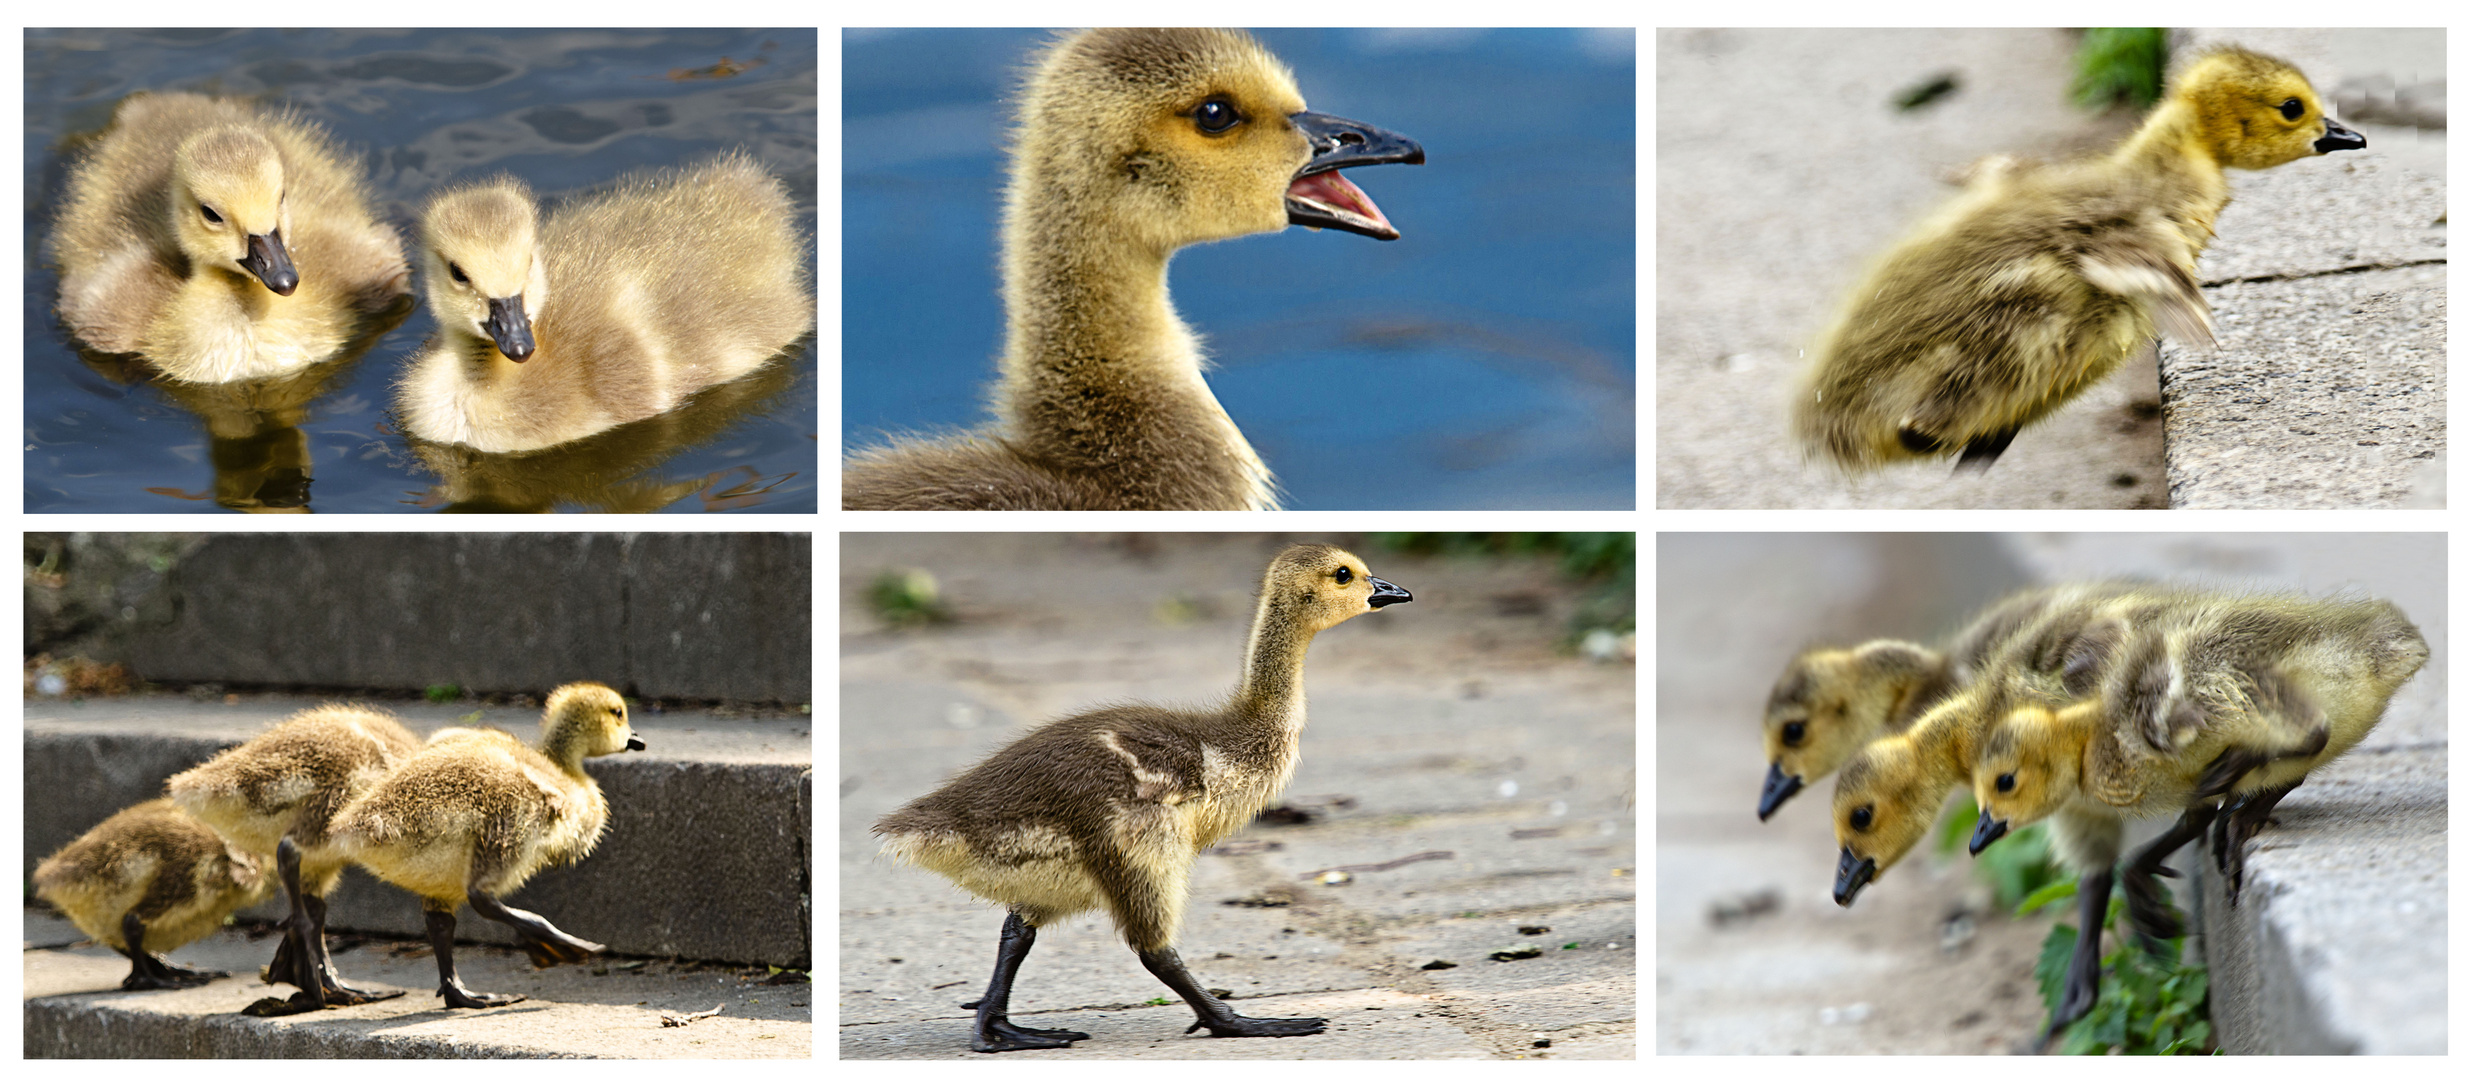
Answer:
[(1181, 136), (1880, 810), (2023, 773), (590, 718), (228, 208), (2256, 112), (479, 246), (1319, 586), (1823, 703)]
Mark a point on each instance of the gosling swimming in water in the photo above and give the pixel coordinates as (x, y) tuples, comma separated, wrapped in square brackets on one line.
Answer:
[(221, 240)]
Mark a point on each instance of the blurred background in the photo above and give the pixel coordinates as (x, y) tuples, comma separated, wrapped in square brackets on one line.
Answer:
[(1489, 354), (566, 110), (1491, 720), (1754, 956)]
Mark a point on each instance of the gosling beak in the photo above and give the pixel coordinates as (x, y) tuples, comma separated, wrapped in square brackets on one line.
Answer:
[(1322, 198), (2338, 137), (1383, 593), (510, 327), (1778, 787), (1989, 831), (271, 262), (1851, 877), (634, 742)]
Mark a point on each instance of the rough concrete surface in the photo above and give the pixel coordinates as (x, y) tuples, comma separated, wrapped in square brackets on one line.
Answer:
[(707, 853), (75, 1007), (1782, 170), (2341, 943), (665, 615), (1452, 723)]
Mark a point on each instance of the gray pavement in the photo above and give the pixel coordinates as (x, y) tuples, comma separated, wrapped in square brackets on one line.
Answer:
[(1452, 723), (1782, 170), (75, 1007)]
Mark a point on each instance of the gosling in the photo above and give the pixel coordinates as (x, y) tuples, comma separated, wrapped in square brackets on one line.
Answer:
[(2038, 282), (276, 797), (1131, 145), (221, 240), (150, 879), (475, 813), (1109, 808), (617, 308)]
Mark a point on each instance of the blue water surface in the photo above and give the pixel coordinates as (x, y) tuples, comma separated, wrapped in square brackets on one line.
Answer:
[(566, 110), (1484, 361)]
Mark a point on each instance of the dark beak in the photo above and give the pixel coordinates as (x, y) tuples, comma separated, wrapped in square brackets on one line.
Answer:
[(1778, 787), (1989, 831), (271, 262), (1851, 877), (510, 327), (634, 742), (1383, 593), (1320, 197), (2338, 137)]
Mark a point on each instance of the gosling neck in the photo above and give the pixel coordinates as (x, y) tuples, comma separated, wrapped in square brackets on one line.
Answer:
[(1099, 372), (2170, 147), (567, 745), (1271, 686)]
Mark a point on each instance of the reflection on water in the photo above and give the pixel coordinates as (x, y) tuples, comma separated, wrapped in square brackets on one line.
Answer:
[(566, 110), (1485, 360)]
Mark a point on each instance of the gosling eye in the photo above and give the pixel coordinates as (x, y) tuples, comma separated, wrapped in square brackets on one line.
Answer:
[(456, 271), (1862, 817), (2004, 783), (1216, 116), (2292, 110), (1793, 733), (211, 217), (1344, 575)]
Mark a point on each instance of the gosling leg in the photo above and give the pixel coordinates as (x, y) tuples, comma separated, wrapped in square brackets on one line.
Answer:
[(295, 961), (2146, 901), (994, 1031), (547, 945), (150, 972), (449, 985), (337, 992), (2235, 828), (1220, 1021), (2081, 983)]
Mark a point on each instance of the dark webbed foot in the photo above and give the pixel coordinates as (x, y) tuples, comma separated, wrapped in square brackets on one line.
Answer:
[(169, 976), (1236, 1026), (292, 1006), (338, 992), (458, 997), (996, 1036)]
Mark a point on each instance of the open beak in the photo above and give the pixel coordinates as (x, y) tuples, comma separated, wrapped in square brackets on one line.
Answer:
[(1778, 787), (1853, 875), (271, 262), (1989, 831), (2338, 137), (1383, 593), (1320, 197), (510, 327)]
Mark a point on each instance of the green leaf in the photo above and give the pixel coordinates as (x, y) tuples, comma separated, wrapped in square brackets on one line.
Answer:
[(2061, 890)]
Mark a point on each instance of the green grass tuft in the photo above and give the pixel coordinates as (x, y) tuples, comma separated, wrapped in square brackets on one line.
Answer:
[(2119, 65)]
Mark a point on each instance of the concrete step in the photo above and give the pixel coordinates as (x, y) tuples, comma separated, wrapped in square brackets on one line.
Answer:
[(708, 854), (75, 1007)]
